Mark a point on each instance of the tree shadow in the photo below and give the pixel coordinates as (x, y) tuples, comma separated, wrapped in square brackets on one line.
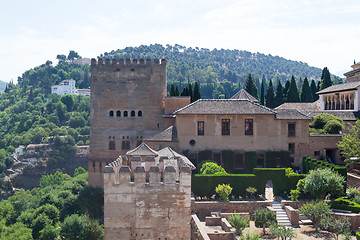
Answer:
[(317, 234)]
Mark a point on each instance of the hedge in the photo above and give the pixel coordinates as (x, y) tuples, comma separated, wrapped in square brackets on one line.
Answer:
[(204, 185), (345, 204), (228, 157), (358, 235)]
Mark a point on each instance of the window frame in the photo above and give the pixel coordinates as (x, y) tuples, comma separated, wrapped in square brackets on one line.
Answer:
[(291, 129), (200, 128), (225, 126), (249, 127)]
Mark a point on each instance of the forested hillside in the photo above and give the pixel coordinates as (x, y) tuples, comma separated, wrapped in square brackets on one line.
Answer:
[(219, 72), (29, 114)]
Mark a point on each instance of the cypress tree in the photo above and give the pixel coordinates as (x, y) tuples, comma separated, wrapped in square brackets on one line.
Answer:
[(314, 89), (279, 97), (196, 94), (250, 87), (325, 79), (191, 93), (269, 97), (306, 95), (184, 92), (293, 93), (176, 91), (286, 88), (262, 97), (172, 90)]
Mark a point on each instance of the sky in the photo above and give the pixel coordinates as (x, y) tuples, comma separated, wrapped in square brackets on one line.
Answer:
[(322, 33)]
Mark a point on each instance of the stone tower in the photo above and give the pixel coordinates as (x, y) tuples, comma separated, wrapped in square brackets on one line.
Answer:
[(127, 104), (147, 195)]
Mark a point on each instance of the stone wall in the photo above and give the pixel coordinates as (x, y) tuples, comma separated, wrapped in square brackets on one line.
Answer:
[(132, 88), (204, 208), (139, 205)]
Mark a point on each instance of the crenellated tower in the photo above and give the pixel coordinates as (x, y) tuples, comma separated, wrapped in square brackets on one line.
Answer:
[(147, 196), (127, 104)]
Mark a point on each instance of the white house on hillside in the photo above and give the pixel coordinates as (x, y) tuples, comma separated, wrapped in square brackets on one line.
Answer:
[(68, 87)]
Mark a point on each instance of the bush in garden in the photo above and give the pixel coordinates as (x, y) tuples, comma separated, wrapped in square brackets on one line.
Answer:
[(315, 211), (224, 190), (335, 226), (264, 217), (239, 222), (212, 168)]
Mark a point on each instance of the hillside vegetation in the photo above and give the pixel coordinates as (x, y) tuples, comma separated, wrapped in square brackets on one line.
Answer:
[(219, 71)]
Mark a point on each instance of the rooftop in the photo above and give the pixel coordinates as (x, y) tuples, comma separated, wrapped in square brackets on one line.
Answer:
[(142, 150), (340, 87), (244, 95), (290, 114), (224, 106), (168, 135)]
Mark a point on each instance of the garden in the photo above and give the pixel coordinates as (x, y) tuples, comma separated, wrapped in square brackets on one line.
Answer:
[(320, 191)]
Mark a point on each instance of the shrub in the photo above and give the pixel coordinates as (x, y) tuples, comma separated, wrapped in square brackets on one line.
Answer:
[(294, 195), (249, 236), (322, 119), (239, 223), (251, 191), (211, 168), (224, 190), (315, 211), (335, 226), (282, 231), (333, 127)]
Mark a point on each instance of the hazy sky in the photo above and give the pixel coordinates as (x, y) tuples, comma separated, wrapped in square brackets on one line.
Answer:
[(318, 32)]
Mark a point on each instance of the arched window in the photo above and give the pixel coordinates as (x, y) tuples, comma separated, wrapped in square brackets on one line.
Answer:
[(111, 113), (118, 113), (132, 113), (125, 113), (139, 113)]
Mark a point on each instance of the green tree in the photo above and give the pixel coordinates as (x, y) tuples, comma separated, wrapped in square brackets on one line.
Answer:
[(72, 55), (61, 57), (191, 94), (60, 111), (250, 87), (211, 168), (320, 182), (16, 232), (306, 95), (68, 100), (282, 232), (314, 90), (177, 91), (325, 79), (172, 90), (73, 227), (286, 88), (293, 93), (315, 211), (335, 226), (350, 144), (279, 97), (264, 217), (269, 97), (262, 96), (196, 93)]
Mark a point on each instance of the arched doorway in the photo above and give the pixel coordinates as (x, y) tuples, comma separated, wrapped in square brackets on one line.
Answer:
[(269, 193)]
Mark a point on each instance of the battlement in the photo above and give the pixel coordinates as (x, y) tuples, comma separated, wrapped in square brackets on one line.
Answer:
[(117, 174), (127, 62)]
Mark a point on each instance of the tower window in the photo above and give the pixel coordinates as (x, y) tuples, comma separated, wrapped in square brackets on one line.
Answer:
[(125, 113), (111, 113), (139, 113), (291, 129), (118, 113), (125, 145), (132, 113), (111, 145)]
